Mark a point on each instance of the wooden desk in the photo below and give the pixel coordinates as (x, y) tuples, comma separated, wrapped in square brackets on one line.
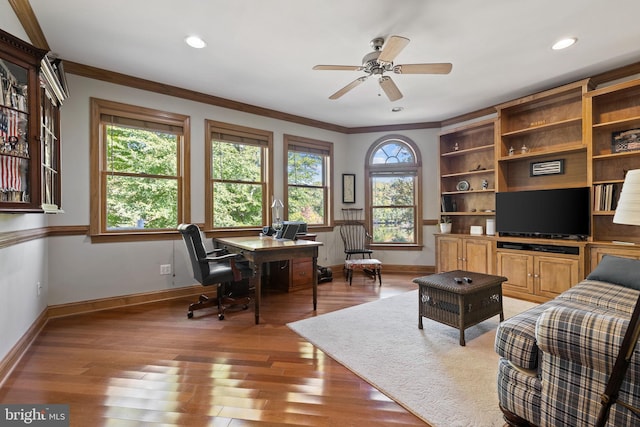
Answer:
[(259, 250)]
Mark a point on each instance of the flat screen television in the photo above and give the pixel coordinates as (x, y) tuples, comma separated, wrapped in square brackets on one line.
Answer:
[(556, 213)]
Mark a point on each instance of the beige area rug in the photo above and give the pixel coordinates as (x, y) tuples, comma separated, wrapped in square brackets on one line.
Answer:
[(426, 371)]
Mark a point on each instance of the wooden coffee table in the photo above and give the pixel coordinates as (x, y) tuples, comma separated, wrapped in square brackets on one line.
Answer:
[(460, 305)]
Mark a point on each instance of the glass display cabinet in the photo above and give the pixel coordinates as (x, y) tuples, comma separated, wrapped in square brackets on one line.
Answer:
[(31, 92)]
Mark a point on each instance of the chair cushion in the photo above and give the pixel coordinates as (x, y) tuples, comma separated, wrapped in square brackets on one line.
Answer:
[(362, 263)]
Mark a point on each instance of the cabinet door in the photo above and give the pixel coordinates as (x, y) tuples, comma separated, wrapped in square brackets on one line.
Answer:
[(448, 252), (554, 275), (518, 269), (301, 273), (477, 255)]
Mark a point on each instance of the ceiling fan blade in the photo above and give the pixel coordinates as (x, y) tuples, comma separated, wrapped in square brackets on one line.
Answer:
[(338, 67), (435, 68), (348, 87), (392, 48), (390, 88)]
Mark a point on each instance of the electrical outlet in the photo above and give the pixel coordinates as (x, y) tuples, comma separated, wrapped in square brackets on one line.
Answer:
[(165, 269)]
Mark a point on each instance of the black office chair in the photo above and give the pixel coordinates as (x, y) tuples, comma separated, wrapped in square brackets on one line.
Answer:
[(228, 271)]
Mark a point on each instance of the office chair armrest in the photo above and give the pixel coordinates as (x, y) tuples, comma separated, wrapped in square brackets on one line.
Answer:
[(222, 251), (237, 274), (221, 257)]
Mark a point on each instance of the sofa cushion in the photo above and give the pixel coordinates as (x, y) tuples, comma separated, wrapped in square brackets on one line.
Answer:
[(618, 270), (601, 297)]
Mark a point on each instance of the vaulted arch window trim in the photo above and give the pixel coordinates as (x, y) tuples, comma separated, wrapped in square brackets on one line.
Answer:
[(394, 192)]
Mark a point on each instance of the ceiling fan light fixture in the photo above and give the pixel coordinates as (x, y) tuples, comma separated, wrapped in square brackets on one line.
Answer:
[(195, 42), (564, 43)]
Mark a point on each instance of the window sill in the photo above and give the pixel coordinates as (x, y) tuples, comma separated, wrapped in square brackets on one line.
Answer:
[(396, 247), (141, 236)]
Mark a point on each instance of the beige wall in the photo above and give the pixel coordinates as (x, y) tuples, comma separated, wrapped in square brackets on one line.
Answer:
[(71, 268)]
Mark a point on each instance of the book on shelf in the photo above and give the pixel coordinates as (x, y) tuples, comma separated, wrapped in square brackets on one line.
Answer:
[(605, 197)]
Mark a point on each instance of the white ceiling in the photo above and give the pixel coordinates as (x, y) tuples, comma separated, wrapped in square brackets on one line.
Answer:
[(262, 52)]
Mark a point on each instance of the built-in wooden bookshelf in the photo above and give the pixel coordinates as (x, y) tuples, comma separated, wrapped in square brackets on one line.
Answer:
[(542, 127), (467, 185), (609, 111)]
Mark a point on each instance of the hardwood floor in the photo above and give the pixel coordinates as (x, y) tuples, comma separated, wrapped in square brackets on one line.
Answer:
[(148, 365)]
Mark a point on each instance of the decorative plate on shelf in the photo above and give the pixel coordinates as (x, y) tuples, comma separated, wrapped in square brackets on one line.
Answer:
[(463, 186)]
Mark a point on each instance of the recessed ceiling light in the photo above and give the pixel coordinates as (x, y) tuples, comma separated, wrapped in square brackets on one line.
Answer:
[(195, 42), (397, 109), (564, 43)]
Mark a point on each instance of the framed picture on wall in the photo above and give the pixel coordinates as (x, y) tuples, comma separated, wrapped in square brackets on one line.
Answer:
[(348, 188)]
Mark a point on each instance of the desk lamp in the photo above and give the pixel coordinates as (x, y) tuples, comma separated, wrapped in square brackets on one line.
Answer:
[(277, 219)]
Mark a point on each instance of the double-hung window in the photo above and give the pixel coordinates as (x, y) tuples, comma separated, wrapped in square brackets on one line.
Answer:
[(139, 169), (394, 171), (239, 169), (308, 180)]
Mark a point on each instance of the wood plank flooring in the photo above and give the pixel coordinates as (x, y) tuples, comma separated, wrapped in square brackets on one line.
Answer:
[(148, 365)]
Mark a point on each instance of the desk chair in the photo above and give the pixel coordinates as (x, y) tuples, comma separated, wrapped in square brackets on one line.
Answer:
[(217, 267)]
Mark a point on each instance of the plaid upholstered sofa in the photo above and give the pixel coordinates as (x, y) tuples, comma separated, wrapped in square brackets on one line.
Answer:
[(556, 358)]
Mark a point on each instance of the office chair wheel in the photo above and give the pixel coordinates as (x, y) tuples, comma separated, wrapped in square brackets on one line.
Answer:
[(220, 316), (245, 307), (189, 314)]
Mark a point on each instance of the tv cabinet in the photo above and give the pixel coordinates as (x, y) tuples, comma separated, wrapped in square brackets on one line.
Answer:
[(470, 253), (539, 269)]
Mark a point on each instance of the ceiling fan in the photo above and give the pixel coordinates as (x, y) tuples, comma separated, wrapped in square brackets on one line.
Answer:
[(380, 61)]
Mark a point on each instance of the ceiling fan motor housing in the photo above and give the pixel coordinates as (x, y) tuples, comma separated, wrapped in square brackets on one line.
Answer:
[(370, 64)]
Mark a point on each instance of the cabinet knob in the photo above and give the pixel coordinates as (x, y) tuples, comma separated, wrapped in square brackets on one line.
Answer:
[(528, 274)]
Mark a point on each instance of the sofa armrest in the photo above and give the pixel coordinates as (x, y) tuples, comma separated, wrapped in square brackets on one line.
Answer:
[(579, 336)]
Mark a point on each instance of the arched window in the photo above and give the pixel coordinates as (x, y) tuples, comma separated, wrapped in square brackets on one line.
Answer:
[(393, 193)]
